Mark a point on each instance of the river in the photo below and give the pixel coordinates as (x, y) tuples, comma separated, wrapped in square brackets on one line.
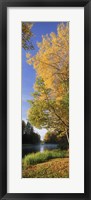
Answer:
[(29, 148)]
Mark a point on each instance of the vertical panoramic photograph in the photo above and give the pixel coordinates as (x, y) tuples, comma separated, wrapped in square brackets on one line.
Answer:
[(45, 100)]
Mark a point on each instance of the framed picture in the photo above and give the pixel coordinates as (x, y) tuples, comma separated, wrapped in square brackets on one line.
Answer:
[(45, 112)]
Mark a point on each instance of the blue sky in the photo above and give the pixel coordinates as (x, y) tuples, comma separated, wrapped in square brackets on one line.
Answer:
[(28, 72)]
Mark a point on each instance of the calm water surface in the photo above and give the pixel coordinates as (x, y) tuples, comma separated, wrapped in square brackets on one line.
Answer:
[(29, 148)]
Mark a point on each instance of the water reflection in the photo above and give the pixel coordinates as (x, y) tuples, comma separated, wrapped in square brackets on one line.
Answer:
[(26, 149), (42, 148)]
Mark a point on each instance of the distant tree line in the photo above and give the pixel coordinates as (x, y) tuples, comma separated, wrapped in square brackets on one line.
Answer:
[(28, 134), (51, 137), (55, 137)]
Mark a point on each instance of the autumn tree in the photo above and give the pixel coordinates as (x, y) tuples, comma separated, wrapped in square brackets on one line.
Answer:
[(50, 106), (26, 35), (54, 137)]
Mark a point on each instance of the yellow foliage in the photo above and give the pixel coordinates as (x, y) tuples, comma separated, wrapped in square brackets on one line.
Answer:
[(52, 60), (52, 64)]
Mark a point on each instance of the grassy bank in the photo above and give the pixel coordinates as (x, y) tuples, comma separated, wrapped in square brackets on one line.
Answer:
[(55, 168), (40, 157)]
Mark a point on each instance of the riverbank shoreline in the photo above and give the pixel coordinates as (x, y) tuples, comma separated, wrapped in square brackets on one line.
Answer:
[(48, 164)]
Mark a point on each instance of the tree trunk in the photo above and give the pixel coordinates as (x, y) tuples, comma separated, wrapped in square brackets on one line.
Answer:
[(67, 135)]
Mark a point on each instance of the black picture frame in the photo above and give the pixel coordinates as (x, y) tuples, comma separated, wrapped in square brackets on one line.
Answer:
[(3, 97)]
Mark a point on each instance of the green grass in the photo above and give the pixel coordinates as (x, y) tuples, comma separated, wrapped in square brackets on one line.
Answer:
[(41, 157)]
